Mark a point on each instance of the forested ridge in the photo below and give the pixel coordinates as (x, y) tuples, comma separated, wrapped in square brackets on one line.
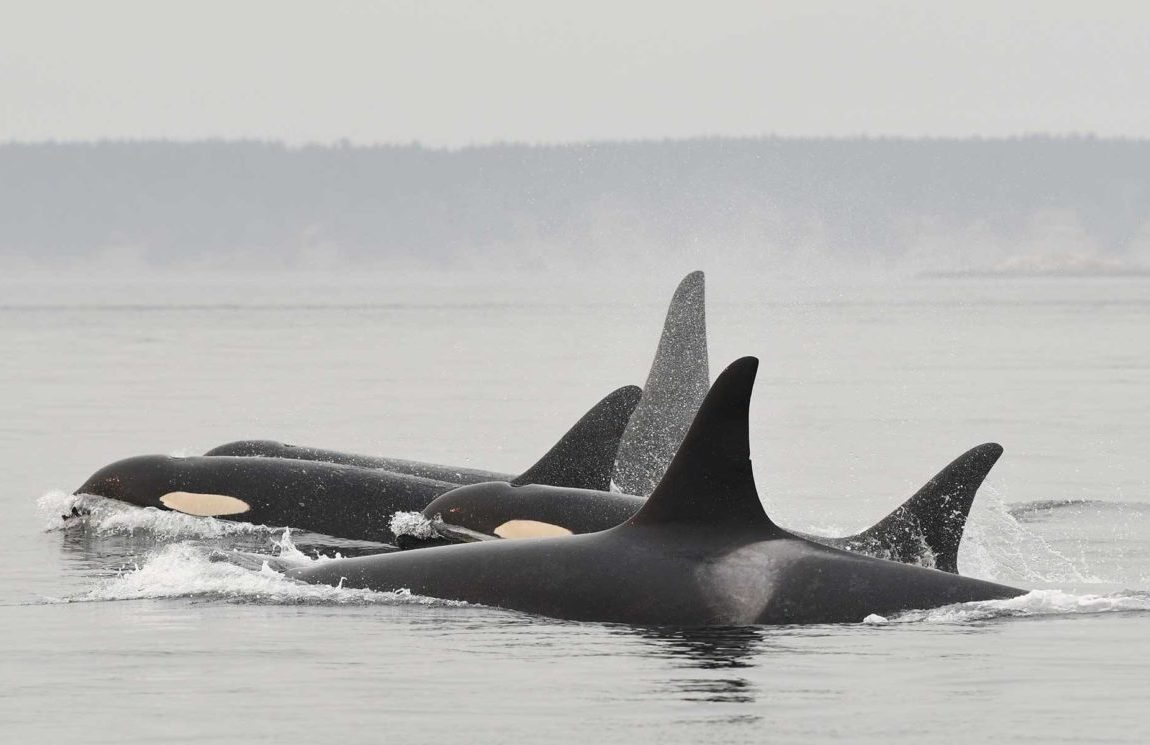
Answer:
[(942, 203)]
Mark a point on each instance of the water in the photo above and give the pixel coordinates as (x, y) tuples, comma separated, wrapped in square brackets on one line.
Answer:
[(124, 630)]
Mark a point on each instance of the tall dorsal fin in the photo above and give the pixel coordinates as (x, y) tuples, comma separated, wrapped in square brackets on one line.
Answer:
[(709, 481), (936, 514), (585, 457), (675, 387)]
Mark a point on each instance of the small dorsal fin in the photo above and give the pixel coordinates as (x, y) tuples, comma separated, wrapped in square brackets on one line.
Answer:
[(709, 481), (675, 387), (936, 514), (584, 458)]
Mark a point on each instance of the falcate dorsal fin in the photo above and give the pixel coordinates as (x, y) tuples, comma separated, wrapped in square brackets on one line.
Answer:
[(709, 481), (936, 514), (675, 387), (584, 458)]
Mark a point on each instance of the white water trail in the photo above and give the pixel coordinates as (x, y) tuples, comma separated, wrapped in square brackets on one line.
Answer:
[(101, 516), (192, 570), (1034, 603)]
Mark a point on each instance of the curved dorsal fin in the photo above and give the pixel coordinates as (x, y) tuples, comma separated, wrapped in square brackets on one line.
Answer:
[(585, 457), (709, 481), (675, 387), (936, 514)]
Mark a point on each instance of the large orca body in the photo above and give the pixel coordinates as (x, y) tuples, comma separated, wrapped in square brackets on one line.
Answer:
[(700, 551), (341, 500), (926, 529)]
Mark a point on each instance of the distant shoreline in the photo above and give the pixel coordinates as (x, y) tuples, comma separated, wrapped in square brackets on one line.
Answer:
[(1037, 137), (992, 274), (770, 203)]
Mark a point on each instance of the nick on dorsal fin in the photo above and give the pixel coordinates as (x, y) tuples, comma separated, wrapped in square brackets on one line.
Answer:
[(936, 514), (709, 481), (675, 387), (585, 457)]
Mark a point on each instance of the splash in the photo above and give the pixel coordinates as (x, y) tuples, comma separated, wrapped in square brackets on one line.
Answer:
[(192, 570), (1034, 603), (413, 524), (102, 516), (997, 545)]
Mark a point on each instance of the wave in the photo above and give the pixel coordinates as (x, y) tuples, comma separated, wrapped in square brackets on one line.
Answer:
[(192, 570), (1032, 604), (1045, 508), (99, 516), (62, 510), (999, 545)]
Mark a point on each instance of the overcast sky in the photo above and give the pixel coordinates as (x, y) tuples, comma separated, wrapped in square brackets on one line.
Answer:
[(456, 73)]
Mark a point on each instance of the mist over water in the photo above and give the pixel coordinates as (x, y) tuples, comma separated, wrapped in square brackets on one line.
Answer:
[(866, 390), (793, 208)]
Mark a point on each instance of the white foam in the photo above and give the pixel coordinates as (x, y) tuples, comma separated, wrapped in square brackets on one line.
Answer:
[(108, 516), (188, 569), (995, 545), (413, 524), (1033, 603)]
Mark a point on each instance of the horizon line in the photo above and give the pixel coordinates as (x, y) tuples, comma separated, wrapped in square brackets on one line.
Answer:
[(347, 143)]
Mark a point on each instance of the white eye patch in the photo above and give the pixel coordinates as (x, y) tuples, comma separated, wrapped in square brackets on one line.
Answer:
[(204, 505), (529, 529)]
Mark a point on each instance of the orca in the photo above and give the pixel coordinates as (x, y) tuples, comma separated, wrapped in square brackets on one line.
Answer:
[(926, 529), (675, 387), (335, 499), (677, 381), (701, 551)]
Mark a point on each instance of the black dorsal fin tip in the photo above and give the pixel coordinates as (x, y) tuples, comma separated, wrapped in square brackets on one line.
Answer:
[(584, 458), (710, 481), (676, 384), (938, 511)]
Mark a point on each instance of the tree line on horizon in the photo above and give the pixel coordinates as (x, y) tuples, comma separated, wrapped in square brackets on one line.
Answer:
[(946, 203)]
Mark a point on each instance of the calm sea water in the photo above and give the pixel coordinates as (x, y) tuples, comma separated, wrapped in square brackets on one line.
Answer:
[(122, 630)]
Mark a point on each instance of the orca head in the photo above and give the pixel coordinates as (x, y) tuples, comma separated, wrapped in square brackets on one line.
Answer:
[(159, 481), (493, 509), (140, 480)]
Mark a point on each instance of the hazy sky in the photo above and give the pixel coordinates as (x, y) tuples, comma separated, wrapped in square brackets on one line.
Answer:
[(453, 73)]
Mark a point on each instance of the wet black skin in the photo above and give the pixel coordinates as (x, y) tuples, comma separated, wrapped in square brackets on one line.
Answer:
[(272, 449), (676, 384), (699, 552), (348, 501), (673, 575), (328, 498), (926, 528), (583, 458)]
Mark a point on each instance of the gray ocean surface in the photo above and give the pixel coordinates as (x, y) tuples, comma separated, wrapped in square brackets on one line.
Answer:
[(118, 628)]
